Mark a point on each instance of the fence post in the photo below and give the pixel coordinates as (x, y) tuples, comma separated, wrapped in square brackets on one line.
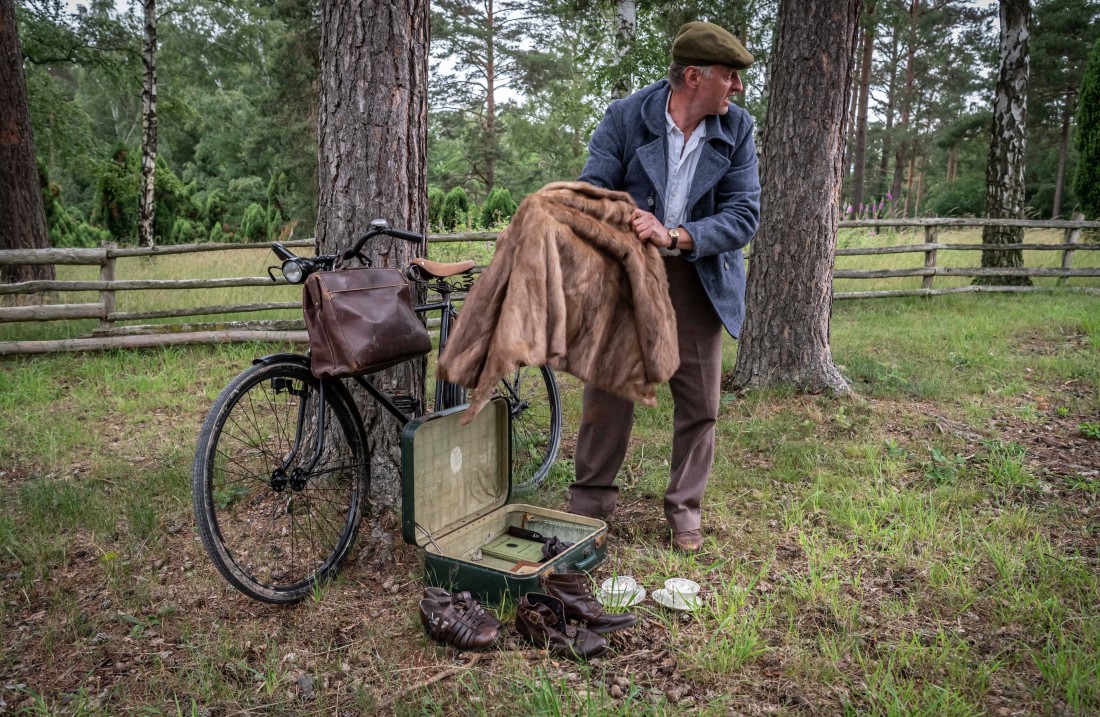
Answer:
[(107, 273), (1072, 236), (931, 235)]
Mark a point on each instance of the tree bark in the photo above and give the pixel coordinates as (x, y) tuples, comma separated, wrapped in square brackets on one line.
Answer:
[(785, 340), (1004, 194), (146, 207), (22, 212), (372, 163), (626, 21), (859, 158)]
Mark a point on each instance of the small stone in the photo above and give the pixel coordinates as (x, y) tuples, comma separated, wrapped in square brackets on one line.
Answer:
[(622, 683), (158, 565), (165, 655), (175, 529), (106, 604), (387, 585), (345, 667), (305, 687), (616, 692), (291, 657)]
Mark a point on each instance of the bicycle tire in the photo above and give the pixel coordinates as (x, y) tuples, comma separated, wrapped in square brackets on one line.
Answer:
[(276, 544), (535, 405)]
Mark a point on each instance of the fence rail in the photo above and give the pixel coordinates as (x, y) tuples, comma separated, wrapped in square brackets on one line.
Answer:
[(110, 336)]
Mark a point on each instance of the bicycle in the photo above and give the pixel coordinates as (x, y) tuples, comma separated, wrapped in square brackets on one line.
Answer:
[(282, 466)]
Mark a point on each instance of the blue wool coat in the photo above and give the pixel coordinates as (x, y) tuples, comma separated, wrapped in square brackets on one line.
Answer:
[(628, 152)]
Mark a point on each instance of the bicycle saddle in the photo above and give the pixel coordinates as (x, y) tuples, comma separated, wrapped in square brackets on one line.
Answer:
[(441, 270)]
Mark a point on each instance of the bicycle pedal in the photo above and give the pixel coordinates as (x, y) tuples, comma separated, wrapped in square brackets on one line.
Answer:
[(406, 404)]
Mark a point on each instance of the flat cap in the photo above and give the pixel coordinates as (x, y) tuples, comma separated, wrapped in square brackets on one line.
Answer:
[(702, 43)]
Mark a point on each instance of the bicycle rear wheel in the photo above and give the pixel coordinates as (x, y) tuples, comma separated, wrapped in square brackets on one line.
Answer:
[(535, 406), (275, 522)]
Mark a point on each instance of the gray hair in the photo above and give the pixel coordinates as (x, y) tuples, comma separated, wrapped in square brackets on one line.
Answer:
[(676, 73)]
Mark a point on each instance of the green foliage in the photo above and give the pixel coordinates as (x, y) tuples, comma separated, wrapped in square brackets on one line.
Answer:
[(1086, 183), (498, 208), (456, 209), (116, 203), (254, 225), (1090, 429), (213, 207), (436, 197), (184, 231), (965, 197), (217, 234)]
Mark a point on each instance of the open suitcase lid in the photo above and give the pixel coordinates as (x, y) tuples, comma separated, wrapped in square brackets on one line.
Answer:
[(453, 474)]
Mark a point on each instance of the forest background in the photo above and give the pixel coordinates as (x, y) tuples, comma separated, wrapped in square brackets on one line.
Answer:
[(516, 89)]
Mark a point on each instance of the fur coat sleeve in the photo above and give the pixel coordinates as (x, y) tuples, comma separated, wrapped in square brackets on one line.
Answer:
[(569, 286)]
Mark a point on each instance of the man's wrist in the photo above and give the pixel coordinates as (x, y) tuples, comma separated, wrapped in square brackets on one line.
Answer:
[(673, 238)]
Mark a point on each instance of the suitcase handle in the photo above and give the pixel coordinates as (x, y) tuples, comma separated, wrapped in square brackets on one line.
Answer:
[(589, 559)]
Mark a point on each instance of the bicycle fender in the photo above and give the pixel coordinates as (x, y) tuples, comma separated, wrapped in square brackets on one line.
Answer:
[(279, 358)]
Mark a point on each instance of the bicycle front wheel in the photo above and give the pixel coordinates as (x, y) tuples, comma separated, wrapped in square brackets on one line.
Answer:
[(535, 406), (277, 514)]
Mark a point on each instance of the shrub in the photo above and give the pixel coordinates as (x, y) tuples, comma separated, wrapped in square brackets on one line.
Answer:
[(216, 233), (184, 231), (498, 208), (254, 223), (435, 207), (963, 198), (456, 209)]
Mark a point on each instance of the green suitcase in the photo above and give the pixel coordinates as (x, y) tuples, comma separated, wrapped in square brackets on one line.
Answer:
[(456, 483)]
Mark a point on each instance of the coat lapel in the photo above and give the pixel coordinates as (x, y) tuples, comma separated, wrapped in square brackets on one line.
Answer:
[(653, 155), (713, 165)]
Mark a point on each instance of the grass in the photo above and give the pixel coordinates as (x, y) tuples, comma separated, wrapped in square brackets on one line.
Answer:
[(927, 546)]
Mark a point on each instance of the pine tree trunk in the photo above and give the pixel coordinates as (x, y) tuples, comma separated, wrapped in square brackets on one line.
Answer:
[(1063, 144), (785, 340), (901, 158), (952, 164), (146, 207), (22, 212), (626, 21), (490, 107), (888, 134), (372, 163), (859, 158), (1004, 194), (849, 135)]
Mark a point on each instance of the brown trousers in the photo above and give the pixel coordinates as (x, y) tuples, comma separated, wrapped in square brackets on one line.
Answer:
[(604, 434)]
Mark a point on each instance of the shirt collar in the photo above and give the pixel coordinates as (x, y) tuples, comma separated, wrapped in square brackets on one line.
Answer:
[(671, 128)]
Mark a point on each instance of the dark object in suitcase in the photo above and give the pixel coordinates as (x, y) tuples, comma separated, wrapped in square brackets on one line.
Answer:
[(551, 546)]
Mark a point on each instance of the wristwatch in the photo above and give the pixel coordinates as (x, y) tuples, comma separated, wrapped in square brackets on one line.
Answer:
[(674, 235)]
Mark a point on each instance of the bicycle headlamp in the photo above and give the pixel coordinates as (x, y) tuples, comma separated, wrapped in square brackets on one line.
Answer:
[(293, 271)]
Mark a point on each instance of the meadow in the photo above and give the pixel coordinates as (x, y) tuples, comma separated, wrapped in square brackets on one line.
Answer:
[(929, 545)]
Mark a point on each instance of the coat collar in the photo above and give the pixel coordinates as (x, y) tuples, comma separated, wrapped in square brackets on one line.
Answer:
[(713, 164)]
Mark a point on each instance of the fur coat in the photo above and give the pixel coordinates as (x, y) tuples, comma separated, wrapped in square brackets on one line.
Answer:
[(570, 286)]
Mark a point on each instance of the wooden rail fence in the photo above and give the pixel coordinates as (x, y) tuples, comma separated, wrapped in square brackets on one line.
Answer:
[(108, 335)]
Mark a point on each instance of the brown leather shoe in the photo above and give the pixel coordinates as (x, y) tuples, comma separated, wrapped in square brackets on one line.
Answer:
[(575, 592), (689, 542), (457, 625), (465, 602), (540, 619)]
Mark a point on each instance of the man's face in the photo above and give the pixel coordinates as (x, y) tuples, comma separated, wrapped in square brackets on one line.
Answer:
[(714, 93)]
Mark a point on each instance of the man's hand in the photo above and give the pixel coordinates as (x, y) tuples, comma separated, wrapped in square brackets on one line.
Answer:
[(648, 228)]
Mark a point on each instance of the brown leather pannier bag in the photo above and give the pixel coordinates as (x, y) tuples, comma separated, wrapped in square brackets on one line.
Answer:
[(360, 321)]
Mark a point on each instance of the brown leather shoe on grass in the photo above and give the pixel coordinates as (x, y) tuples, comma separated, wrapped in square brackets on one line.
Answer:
[(540, 619), (575, 592), (688, 542)]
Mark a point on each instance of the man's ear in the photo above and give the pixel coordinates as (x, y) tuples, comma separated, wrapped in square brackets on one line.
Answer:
[(692, 76)]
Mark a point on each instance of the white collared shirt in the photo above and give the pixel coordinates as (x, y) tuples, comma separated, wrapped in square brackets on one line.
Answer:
[(683, 158)]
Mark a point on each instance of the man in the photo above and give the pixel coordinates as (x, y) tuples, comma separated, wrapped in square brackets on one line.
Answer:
[(687, 157)]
